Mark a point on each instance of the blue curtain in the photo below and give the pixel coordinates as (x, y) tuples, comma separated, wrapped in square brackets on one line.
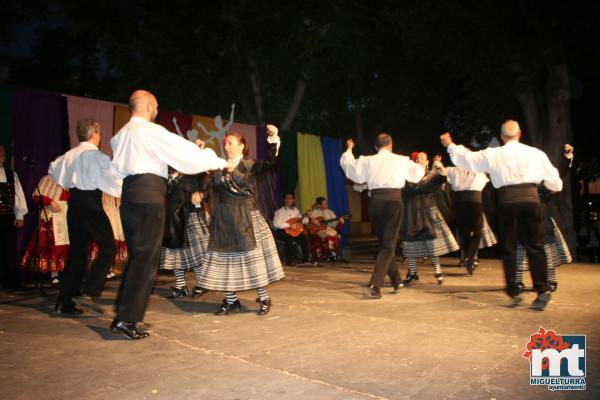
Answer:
[(336, 181)]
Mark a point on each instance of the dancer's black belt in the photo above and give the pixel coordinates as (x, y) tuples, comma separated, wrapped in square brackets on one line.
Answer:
[(522, 193), (472, 196), (387, 193), (144, 188), (85, 198)]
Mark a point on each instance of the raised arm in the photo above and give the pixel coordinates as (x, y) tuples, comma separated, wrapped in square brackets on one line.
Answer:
[(354, 169), (261, 166), (476, 161), (182, 154)]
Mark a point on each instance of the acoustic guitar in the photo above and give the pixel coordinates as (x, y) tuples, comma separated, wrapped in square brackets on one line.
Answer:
[(296, 227), (322, 223)]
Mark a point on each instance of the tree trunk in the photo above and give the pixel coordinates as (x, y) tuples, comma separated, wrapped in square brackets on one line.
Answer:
[(528, 102), (360, 126), (258, 104), (551, 134), (292, 112), (559, 133)]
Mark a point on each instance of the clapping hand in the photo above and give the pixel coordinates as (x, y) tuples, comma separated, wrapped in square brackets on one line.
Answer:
[(196, 197), (350, 144), (272, 130), (569, 149), (229, 167)]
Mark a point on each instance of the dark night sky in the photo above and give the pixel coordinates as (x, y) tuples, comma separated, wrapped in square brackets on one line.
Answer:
[(415, 68)]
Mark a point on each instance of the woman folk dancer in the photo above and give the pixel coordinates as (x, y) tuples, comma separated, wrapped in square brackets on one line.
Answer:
[(186, 231), (424, 231), (241, 252), (555, 247), (474, 232), (53, 234)]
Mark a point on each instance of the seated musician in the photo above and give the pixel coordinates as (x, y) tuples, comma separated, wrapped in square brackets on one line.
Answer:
[(289, 228), (324, 228)]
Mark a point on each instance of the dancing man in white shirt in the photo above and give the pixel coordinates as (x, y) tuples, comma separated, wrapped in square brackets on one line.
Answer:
[(86, 172), (142, 152), (385, 174), (515, 171)]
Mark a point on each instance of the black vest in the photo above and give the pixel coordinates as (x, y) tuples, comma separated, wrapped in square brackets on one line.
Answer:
[(7, 193)]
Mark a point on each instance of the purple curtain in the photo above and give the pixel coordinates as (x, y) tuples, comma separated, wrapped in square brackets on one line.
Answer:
[(268, 187), (39, 134)]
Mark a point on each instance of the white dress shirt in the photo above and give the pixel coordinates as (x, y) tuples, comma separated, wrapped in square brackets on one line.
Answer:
[(283, 214), (20, 207), (143, 147), (384, 170), (461, 179), (86, 168), (511, 164)]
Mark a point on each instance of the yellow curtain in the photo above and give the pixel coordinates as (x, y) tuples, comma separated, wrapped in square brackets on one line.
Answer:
[(311, 171)]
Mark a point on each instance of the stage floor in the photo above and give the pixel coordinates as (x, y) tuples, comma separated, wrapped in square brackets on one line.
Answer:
[(322, 340)]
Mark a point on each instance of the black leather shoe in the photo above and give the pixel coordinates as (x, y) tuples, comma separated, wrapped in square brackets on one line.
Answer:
[(225, 308), (70, 310), (553, 286), (470, 266), (265, 306), (127, 329), (141, 333), (397, 286), (541, 301), (89, 302), (515, 301), (373, 292), (197, 291), (410, 278), (178, 292)]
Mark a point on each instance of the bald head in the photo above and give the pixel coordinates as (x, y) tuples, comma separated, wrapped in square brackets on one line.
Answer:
[(143, 104), (383, 141), (510, 130)]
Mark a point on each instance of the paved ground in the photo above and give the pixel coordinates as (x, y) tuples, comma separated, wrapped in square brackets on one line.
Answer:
[(322, 340)]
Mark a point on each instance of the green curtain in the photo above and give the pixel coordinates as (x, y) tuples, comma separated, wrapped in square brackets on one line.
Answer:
[(7, 111), (288, 163), (311, 170)]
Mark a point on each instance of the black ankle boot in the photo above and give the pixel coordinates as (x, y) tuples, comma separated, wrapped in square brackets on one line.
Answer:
[(178, 292), (410, 278), (225, 308), (265, 306), (197, 291)]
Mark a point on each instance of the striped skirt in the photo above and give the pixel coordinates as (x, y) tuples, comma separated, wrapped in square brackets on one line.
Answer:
[(488, 239), (443, 243), (196, 233), (557, 252), (236, 271)]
